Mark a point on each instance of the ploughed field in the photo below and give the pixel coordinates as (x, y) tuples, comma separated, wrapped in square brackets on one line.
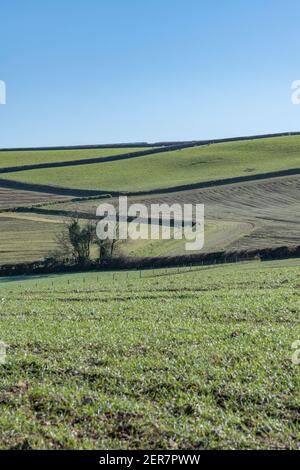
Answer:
[(27, 237), (198, 359), (12, 198), (241, 216)]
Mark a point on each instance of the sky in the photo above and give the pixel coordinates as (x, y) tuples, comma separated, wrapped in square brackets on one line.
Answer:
[(109, 71)]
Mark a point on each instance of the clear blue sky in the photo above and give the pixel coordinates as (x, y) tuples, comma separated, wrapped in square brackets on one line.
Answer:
[(98, 71)]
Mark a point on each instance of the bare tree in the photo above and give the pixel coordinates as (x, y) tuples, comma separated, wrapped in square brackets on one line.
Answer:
[(107, 248), (81, 240), (75, 241)]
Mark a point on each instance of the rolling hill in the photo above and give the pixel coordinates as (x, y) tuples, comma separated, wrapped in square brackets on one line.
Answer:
[(250, 188)]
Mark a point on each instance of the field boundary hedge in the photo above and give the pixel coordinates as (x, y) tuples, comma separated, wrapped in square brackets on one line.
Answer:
[(85, 193), (221, 257)]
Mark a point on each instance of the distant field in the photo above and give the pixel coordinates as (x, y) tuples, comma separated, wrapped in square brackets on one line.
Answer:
[(26, 237), (217, 235), (170, 169), (257, 214), (20, 158), (240, 216), (10, 198), (198, 359)]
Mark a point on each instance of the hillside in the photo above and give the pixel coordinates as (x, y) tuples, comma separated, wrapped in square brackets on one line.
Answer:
[(26, 157), (166, 170), (251, 200)]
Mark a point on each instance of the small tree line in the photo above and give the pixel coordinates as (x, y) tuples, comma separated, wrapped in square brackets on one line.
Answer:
[(76, 242)]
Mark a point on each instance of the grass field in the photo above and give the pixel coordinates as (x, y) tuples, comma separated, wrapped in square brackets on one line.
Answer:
[(170, 169), (175, 359), (23, 157), (26, 237)]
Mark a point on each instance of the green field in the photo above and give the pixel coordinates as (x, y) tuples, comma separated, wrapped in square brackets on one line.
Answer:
[(195, 359), (20, 158), (170, 169)]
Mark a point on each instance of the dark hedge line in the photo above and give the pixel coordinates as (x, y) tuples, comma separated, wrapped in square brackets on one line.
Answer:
[(50, 267)]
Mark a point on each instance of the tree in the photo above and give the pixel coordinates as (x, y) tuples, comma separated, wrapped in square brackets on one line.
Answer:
[(81, 240), (107, 248), (75, 243)]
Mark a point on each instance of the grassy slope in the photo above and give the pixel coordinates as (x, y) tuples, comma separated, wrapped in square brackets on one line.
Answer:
[(193, 360), (176, 168), (172, 247), (19, 158)]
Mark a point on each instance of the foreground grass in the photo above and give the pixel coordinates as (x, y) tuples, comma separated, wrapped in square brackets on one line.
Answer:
[(170, 169), (176, 359)]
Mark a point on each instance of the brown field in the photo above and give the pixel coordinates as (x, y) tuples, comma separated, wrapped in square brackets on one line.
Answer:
[(257, 214), (27, 237), (271, 208), (10, 198)]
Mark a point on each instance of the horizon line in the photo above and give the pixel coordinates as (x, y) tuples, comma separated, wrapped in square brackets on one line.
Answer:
[(152, 144)]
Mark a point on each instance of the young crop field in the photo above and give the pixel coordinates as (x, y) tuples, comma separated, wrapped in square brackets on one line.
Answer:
[(195, 358), (170, 169)]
